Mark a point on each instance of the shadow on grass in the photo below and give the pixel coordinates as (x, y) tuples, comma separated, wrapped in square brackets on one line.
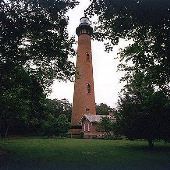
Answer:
[(165, 148), (96, 155)]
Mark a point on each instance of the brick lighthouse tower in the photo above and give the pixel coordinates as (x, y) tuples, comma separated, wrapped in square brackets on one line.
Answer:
[(83, 99)]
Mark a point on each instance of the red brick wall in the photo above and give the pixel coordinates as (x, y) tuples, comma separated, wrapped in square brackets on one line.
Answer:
[(82, 99), (92, 130)]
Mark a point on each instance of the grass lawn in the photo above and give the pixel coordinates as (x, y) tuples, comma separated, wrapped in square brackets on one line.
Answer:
[(120, 153)]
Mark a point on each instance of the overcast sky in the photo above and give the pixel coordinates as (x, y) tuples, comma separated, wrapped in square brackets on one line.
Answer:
[(106, 77)]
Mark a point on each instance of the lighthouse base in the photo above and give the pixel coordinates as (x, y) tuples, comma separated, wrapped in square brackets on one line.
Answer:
[(75, 132)]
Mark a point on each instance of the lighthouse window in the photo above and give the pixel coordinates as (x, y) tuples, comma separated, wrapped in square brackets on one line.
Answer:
[(88, 56), (87, 109), (83, 31), (88, 88)]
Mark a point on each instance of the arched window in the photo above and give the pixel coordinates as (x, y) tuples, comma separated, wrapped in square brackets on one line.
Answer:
[(88, 88)]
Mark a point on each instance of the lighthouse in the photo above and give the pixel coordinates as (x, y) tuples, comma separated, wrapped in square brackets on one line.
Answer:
[(84, 96)]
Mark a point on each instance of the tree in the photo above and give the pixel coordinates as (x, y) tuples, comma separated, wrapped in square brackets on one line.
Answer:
[(103, 109), (57, 117), (21, 101), (34, 35), (34, 49), (63, 125), (106, 125), (146, 22), (110, 126), (143, 111), (55, 126), (57, 107)]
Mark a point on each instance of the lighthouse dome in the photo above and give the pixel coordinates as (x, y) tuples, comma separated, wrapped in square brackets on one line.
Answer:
[(84, 27), (84, 21)]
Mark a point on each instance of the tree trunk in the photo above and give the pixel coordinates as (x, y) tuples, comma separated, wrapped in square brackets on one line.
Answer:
[(4, 129), (6, 132), (151, 143), (1, 128), (107, 134)]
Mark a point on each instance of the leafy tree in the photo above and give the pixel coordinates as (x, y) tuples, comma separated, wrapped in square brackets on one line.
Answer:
[(57, 117), (143, 111), (21, 99), (47, 125), (63, 125), (103, 109), (146, 22), (145, 101), (34, 49), (55, 126), (106, 125), (110, 126), (57, 107), (34, 35)]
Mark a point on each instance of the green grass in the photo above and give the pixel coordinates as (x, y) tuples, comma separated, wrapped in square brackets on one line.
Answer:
[(89, 151)]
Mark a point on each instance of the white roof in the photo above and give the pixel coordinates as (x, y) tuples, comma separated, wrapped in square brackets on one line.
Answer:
[(94, 118)]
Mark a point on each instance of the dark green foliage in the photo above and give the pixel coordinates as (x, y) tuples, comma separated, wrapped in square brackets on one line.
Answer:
[(34, 49), (110, 126), (106, 124), (103, 109), (144, 105), (63, 125), (146, 22), (57, 107), (143, 112), (21, 100), (34, 35), (55, 126), (57, 117)]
